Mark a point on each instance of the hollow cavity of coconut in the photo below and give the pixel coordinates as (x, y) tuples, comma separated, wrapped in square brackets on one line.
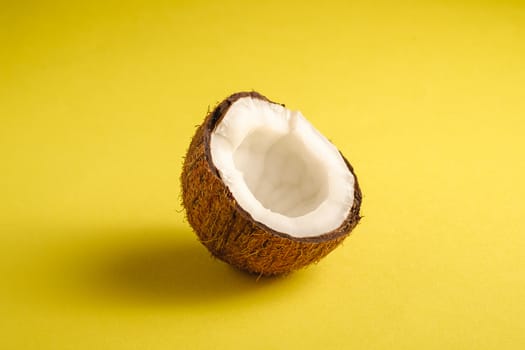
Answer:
[(264, 190)]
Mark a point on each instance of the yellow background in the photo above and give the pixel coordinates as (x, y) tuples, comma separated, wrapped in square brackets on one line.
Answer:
[(98, 103)]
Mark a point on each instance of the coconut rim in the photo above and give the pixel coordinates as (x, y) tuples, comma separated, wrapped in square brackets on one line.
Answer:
[(214, 119)]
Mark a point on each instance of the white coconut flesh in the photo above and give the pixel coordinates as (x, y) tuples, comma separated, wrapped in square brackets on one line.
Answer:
[(280, 169)]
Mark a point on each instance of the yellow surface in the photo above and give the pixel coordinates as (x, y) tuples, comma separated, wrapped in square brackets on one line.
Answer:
[(98, 103)]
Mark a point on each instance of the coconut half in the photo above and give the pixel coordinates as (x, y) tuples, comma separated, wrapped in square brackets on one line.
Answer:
[(264, 190)]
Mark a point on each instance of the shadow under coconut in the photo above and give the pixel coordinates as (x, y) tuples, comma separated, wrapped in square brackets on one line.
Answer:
[(165, 269)]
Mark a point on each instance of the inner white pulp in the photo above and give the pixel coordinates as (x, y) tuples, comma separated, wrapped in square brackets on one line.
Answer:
[(281, 170)]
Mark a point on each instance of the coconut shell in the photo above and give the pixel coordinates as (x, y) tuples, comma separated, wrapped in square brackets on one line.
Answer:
[(228, 231)]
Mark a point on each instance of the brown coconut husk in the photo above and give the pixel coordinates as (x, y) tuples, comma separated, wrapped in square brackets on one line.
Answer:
[(228, 231)]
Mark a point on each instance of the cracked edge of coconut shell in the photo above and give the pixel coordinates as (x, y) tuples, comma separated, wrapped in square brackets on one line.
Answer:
[(228, 231)]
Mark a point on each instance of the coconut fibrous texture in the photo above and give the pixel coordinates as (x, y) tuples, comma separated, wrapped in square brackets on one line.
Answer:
[(263, 190)]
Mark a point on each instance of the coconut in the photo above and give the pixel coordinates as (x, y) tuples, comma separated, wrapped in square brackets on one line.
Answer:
[(264, 190)]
